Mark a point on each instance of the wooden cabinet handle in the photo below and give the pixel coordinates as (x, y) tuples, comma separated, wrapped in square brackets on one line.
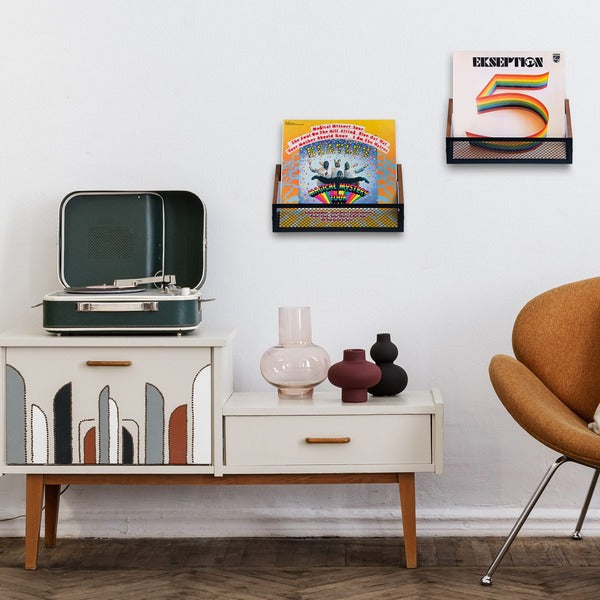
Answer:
[(337, 440), (108, 363)]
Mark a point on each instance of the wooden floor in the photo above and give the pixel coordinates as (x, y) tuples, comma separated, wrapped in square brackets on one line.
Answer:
[(300, 569)]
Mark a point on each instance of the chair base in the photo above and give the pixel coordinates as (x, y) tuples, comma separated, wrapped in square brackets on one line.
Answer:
[(561, 460)]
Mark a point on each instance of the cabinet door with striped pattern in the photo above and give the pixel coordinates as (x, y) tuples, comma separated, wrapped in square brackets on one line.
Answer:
[(108, 406)]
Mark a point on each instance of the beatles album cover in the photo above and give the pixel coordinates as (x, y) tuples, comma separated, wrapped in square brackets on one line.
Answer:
[(336, 161)]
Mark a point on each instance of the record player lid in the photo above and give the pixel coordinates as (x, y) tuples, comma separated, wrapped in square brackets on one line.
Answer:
[(105, 236)]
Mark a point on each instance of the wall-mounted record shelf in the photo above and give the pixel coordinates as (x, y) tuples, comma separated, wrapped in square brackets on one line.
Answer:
[(474, 150), (338, 217)]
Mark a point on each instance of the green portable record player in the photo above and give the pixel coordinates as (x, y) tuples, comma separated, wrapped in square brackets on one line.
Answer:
[(129, 262)]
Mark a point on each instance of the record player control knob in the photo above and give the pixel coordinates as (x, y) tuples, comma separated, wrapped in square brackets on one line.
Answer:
[(184, 291)]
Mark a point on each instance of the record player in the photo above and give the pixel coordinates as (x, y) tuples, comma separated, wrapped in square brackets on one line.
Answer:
[(130, 262)]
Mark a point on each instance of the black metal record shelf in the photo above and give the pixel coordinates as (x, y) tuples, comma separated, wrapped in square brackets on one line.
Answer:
[(338, 217), (470, 150)]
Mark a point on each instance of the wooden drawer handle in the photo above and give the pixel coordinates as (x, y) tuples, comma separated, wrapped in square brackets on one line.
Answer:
[(340, 440), (108, 363)]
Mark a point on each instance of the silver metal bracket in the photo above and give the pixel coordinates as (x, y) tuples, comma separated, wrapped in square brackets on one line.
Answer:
[(131, 283)]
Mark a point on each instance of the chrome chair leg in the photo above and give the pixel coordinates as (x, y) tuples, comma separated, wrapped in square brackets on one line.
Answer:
[(576, 535), (487, 578)]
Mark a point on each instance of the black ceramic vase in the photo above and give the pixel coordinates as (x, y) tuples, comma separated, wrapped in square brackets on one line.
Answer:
[(393, 378)]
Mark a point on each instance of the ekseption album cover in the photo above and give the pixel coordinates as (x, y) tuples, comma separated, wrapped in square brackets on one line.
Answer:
[(509, 94)]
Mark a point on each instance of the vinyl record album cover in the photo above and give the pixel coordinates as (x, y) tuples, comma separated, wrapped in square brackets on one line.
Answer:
[(509, 94), (337, 161)]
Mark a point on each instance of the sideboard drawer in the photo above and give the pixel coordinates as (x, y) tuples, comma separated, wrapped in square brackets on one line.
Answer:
[(328, 440), (108, 405)]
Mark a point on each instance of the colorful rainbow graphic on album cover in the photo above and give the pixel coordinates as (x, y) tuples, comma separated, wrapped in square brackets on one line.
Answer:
[(338, 162), (508, 95)]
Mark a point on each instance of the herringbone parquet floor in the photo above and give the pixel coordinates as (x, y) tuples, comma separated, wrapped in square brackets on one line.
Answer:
[(300, 569)]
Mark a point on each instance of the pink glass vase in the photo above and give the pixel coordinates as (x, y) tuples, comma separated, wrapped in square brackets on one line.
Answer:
[(296, 365)]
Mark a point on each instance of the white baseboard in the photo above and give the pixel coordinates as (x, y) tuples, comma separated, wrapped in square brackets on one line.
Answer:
[(276, 522)]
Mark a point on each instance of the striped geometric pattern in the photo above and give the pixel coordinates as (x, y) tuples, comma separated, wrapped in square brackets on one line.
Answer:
[(300, 569), (108, 423)]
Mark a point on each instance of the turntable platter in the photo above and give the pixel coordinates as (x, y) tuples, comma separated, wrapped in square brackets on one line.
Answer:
[(104, 289)]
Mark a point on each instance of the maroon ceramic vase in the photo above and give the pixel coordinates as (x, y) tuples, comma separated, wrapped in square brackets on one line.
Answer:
[(354, 375)]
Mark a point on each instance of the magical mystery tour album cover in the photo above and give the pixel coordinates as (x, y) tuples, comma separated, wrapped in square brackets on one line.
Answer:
[(335, 161), (509, 94)]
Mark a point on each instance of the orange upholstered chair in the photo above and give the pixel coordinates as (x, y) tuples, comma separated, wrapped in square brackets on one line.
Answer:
[(552, 386)]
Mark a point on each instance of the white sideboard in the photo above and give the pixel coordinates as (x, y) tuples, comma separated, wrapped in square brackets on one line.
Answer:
[(159, 410)]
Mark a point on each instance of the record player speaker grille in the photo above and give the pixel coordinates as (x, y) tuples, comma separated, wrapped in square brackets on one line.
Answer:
[(111, 242)]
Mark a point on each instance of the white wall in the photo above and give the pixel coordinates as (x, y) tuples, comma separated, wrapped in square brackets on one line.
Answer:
[(191, 95)]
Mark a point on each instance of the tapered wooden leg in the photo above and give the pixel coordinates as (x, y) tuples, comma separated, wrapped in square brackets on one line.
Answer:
[(33, 516), (52, 496), (406, 482)]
